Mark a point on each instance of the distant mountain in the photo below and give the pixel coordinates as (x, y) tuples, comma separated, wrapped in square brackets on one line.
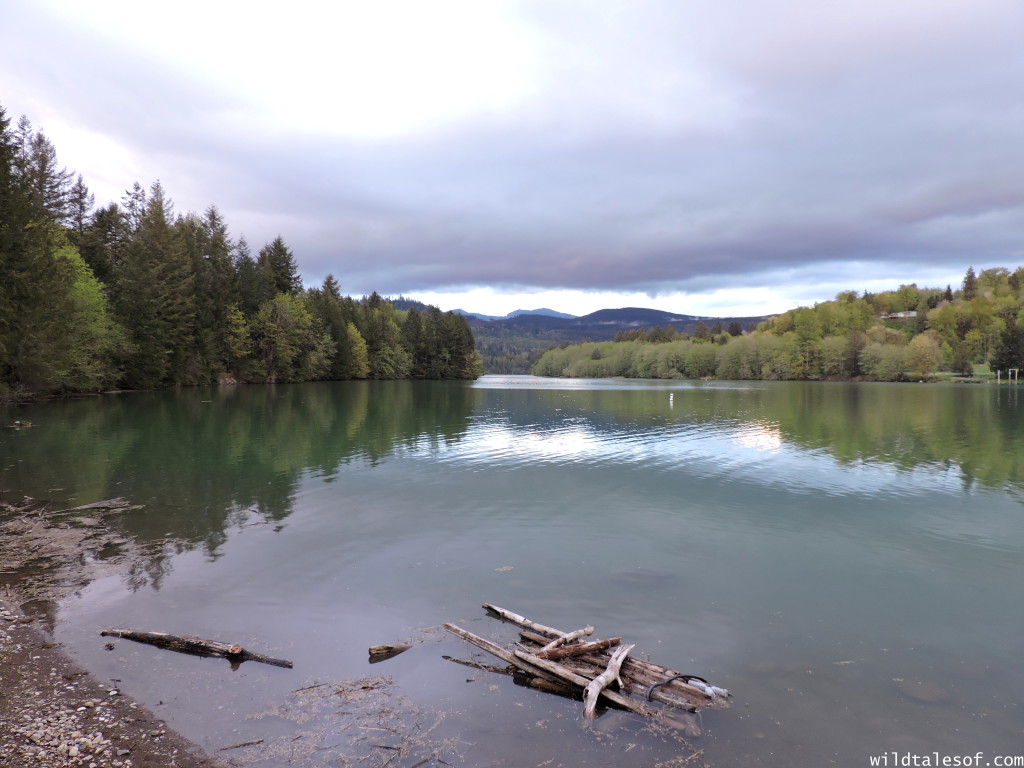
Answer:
[(637, 317), (477, 315), (542, 311), (515, 313), (512, 344)]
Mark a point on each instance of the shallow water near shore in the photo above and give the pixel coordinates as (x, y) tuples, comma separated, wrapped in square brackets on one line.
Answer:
[(846, 558)]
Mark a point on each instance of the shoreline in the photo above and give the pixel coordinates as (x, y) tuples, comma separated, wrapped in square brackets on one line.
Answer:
[(54, 713)]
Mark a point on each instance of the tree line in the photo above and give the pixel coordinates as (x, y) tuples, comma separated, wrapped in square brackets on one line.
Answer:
[(132, 295), (908, 333)]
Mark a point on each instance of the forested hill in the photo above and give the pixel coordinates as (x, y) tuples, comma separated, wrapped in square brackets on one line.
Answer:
[(513, 345), (907, 333), (132, 295)]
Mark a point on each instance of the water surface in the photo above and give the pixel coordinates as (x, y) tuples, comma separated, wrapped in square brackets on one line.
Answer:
[(845, 557)]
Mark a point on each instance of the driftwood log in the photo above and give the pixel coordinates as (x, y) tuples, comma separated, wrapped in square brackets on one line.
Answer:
[(642, 675), (578, 649), (522, 621), (596, 686), (543, 668), (645, 679), (196, 646), (569, 638), (379, 653)]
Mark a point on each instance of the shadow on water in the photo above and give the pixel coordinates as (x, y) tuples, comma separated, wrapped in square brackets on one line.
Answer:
[(202, 460)]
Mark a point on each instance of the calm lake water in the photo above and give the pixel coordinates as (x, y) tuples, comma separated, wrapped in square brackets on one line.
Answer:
[(848, 559)]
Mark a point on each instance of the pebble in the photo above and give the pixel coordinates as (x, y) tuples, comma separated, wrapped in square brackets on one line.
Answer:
[(53, 735)]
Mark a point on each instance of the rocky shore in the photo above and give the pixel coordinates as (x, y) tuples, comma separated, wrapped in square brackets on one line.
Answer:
[(54, 714)]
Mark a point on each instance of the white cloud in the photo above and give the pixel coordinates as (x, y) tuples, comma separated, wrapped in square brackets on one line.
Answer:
[(716, 153)]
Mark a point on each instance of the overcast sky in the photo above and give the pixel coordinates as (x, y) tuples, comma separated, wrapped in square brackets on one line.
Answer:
[(702, 156)]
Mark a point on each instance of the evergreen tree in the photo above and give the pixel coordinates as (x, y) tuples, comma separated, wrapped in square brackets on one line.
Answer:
[(208, 247), (133, 204), (35, 284), (103, 241), (155, 299), (327, 306), (278, 270), (414, 340), (970, 285), (388, 358), (80, 203), (185, 304), (49, 187), (247, 275)]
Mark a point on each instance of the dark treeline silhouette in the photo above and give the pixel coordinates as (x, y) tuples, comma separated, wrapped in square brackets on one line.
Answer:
[(132, 295)]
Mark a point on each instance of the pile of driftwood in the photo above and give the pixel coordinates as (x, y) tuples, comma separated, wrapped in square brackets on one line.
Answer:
[(563, 662)]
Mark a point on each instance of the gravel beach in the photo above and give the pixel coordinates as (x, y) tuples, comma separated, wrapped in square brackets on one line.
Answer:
[(52, 712)]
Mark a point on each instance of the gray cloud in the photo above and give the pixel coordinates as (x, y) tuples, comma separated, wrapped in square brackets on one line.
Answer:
[(669, 146)]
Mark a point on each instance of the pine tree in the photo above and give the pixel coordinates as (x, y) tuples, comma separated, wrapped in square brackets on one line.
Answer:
[(208, 248), (133, 203), (154, 297), (80, 202), (35, 282), (388, 357), (414, 339), (247, 275), (279, 270), (103, 241), (49, 186), (970, 285), (18, 288)]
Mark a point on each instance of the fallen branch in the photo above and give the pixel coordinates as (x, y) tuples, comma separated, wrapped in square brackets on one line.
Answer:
[(641, 676), (566, 639), (501, 653), (522, 621), (578, 649), (477, 665), (602, 681), (567, 674), (196, 646)]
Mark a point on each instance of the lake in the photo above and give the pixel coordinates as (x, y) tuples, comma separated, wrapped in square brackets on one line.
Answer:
[(846, 558)]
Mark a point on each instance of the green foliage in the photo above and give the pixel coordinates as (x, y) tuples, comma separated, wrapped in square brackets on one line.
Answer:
[(70, 350), (132, 295), (924, 354), (289, 344), (358, 365), (277, 270), (849, 337), (883, 362), (970, 284)]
